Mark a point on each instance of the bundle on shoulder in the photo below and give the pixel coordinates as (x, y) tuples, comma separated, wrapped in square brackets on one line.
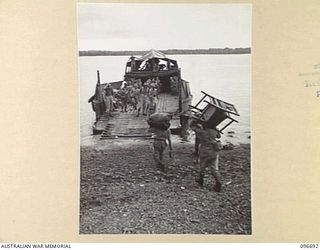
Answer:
[(159, 121)]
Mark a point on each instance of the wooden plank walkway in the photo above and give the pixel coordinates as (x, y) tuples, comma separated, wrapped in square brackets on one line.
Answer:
[(125, 124), (168, 103), (128, 125)]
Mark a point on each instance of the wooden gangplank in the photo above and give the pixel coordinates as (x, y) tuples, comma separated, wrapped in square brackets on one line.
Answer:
[(128, 125), (125, 124), (168, 103)]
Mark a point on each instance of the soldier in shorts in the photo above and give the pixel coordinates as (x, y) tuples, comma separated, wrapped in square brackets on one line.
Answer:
[(160, 145), (209, 148)]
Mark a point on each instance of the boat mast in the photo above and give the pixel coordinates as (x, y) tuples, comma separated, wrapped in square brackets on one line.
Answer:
[(179, 89), (98, 76), (98, 99)]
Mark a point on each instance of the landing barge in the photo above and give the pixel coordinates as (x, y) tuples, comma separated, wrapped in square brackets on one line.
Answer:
[(173, 97)]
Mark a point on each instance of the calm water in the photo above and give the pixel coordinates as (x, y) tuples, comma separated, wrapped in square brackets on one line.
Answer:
[(227, 77)]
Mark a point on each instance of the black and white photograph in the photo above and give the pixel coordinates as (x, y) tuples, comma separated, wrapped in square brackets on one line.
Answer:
[(165, 94)]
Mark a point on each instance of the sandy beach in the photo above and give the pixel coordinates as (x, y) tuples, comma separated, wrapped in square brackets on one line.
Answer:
[(123, 193)]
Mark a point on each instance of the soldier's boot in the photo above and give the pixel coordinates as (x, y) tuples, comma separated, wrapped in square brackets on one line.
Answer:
[(160, 167), (218, 187), (165, 168), (200, 180)]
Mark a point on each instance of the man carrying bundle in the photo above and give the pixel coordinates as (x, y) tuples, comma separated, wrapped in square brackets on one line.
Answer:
[(160, 127), (209, 148)]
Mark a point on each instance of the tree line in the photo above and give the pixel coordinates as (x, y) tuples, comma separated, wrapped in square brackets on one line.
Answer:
[(166, 52)]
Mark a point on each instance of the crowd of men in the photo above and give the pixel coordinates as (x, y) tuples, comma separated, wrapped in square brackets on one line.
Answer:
[(133, 95)]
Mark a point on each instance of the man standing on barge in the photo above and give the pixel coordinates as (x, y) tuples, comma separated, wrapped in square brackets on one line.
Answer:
[(108, 99)]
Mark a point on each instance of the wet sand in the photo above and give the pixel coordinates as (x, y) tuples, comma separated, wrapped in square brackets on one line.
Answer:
[(122, 191)]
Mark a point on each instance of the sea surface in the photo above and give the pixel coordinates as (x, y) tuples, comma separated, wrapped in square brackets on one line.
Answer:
[(227, 77)]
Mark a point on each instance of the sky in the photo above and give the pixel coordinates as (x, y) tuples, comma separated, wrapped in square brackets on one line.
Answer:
[(163, 26)]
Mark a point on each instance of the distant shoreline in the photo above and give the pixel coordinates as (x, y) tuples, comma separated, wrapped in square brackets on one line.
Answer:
[(211, 51)]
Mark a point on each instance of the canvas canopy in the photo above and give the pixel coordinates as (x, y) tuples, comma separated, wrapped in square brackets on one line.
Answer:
[(153, 54), (152, 61)]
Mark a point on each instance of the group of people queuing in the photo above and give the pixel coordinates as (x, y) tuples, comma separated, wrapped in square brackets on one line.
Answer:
[(133, 95)]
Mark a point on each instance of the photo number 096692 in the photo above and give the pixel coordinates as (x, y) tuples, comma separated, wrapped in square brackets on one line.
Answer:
[(316, 246)]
